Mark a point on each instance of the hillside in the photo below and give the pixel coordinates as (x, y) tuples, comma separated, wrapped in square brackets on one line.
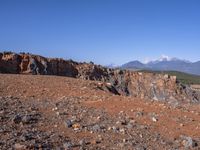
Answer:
[(52, 112)]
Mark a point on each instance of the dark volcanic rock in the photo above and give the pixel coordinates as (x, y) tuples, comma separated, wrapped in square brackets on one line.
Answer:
[(17, 118)]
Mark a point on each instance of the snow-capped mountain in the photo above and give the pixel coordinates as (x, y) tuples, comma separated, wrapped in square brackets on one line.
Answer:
[(166, 63)]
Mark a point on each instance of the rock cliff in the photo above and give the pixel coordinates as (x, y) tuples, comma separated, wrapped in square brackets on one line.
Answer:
[(122, 82)]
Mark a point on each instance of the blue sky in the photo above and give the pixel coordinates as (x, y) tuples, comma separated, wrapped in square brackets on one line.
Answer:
[(103, 31)]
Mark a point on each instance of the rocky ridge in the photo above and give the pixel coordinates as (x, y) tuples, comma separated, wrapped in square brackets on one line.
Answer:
[(121, 82)]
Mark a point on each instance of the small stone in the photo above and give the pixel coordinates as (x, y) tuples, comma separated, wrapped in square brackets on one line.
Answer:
[(108, 84), (18, 146), (68, 123), (26, 137), (140, 148), (122, 131), (132, 121), (154, 119), (27, 119), (121, 145), (100, 84), (95, 142), (96, 128), (56, 108), (115, 129), (123, 122), (188, 142), (17, 119), (118, 122), (76, 126), (129, 126), (121, 112), (82, 142), (139, 114), (100, 138), (99, 117), (67, 145), (109, 128)]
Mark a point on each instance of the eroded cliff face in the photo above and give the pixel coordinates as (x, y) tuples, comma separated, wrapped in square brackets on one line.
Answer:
[(136, 84), (34, 64)]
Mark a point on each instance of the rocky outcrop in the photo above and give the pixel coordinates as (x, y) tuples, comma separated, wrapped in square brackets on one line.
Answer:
[(9, 62), (33, 64), (121, 82)]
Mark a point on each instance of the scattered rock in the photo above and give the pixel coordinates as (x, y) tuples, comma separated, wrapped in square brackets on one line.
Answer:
[(67, 145), (76, 126), (154, 119), (68, 123), (96, 128), (18, 146), (188, 142), (82, 142), (17, 119), (28, 119)]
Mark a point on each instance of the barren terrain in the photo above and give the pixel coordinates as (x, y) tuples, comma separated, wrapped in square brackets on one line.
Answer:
[(52, 112)]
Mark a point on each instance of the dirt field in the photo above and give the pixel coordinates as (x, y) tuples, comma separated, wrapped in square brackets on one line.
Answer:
[(51, 112)]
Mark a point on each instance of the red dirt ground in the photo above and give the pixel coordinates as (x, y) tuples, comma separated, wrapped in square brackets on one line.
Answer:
[(171, 122)]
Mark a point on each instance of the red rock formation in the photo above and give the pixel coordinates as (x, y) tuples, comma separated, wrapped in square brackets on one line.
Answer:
[(34, 64), (9, 62), (136, 84)]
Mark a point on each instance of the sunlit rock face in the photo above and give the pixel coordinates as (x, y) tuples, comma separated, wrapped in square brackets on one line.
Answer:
[(122, 82)]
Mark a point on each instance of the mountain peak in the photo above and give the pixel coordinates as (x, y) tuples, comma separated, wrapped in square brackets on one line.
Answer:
[(165, 58), (160, 59), (166, 63)]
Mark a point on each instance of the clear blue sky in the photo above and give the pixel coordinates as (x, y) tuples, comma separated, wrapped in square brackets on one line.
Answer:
[(103, 31)]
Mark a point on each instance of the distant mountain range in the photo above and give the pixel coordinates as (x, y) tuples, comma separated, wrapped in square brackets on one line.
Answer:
[(166, 64)]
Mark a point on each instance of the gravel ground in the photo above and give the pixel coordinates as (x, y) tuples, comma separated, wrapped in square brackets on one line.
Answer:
[(43, 112)]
